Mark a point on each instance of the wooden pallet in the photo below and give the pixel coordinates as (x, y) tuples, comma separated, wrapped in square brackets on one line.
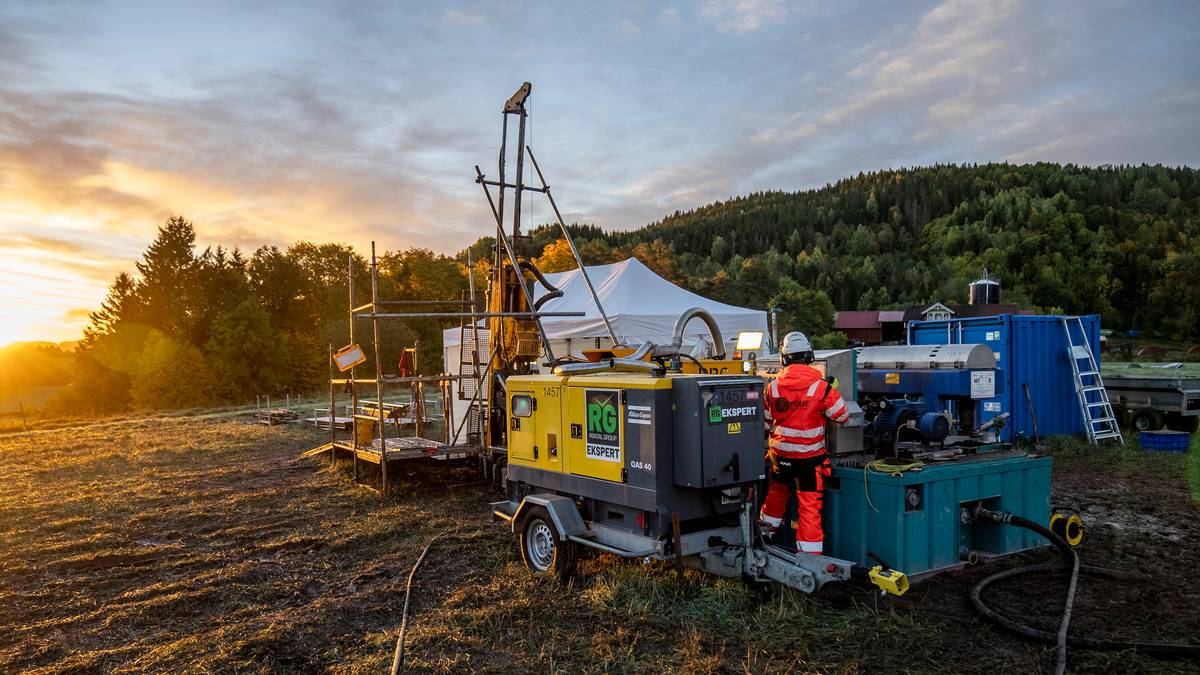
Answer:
[(399, 449), (322, 422)]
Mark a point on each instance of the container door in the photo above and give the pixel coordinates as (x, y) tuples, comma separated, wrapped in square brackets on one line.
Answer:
[(547, 432), (595, 441), (521, 423)]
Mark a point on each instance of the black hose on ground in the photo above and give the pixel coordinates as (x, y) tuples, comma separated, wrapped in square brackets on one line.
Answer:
[(1156, 649), (398, 656), (1061, 639)]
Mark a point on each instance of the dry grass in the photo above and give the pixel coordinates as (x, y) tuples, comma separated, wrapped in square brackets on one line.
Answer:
[(205, 545)]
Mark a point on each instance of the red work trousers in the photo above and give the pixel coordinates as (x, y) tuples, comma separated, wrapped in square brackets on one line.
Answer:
[(806, 476)]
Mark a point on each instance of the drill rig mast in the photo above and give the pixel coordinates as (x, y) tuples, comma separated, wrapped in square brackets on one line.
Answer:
[(514, 323)]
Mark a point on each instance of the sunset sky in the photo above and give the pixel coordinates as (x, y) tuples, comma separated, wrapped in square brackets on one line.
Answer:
[(267, 123)]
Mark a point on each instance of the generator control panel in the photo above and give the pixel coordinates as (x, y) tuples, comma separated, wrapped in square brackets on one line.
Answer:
[(719, 430)]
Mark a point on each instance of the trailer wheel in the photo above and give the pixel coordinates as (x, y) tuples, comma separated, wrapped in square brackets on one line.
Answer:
[(1146, 420), (541, 549), (1177, 422)]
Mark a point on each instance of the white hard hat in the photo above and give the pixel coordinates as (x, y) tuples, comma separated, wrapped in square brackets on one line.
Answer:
[(795, 343)]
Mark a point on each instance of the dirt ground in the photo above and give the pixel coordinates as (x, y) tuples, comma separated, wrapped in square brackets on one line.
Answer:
[(208, 545)]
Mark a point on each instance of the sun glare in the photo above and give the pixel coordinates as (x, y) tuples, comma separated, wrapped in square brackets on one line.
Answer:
[(40, 302), (12, 329)]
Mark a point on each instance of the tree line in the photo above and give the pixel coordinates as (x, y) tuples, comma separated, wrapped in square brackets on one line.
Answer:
[(197, 328), (1122, 242)]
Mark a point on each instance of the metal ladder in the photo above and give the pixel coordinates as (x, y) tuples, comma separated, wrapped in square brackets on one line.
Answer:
[(469, 373), (474, 341), (1098, 417)]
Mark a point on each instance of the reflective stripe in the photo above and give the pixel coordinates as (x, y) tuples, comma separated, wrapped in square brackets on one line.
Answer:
[(800, 433), (796, 447), (770, 520), (775, 388), (812, 389), (839, 402), (809, 546)]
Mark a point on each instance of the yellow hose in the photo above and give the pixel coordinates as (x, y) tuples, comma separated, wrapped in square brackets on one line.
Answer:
[(883, 466)]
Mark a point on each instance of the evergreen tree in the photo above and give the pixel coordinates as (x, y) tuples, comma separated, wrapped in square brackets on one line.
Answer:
[(248, 355), (117, 306), (167, 271)]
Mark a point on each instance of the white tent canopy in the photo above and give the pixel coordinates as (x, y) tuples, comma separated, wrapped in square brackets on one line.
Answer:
[(641, 306)]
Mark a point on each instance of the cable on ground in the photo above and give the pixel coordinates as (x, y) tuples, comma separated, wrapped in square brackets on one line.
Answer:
[(398, 656)]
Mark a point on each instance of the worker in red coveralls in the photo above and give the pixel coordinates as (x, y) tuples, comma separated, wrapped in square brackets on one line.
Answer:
[(797, 404)]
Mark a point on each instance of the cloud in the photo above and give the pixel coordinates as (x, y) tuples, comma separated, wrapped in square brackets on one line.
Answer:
[(265, 159), (459, 17), (629, 27), (961, 83), (1067, 129), (960, 59), (742, 16)]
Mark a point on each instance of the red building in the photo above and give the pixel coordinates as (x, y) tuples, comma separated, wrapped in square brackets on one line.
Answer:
[(861, 327)]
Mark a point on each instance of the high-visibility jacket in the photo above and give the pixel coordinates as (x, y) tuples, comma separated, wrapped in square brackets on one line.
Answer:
[(798, 402)]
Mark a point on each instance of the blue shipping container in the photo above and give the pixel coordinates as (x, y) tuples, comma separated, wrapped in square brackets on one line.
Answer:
[(1032, 359)]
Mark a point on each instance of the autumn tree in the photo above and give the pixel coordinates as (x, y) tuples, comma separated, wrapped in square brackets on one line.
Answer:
[(556, 257)]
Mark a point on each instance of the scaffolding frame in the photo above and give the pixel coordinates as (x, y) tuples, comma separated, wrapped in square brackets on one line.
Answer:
[(378, 415)]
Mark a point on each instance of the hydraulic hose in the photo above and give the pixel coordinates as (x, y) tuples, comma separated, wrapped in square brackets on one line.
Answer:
[(714, 332), (537, 273), (1061, 639), (1069, 554), (1156, 649)]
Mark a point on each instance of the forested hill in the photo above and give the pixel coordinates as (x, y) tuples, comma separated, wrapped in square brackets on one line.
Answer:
[(1120, 241), (188, 327)]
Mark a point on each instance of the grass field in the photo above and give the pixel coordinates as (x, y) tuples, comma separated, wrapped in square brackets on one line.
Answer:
[(204, 544)]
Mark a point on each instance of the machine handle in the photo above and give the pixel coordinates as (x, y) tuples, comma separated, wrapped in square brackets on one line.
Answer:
[(735, 466)]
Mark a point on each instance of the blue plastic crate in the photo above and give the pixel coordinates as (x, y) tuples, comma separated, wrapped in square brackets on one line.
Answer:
[(1165, 441)]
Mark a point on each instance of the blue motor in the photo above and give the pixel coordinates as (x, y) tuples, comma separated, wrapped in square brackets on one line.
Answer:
[(934, 427), (896, 412)]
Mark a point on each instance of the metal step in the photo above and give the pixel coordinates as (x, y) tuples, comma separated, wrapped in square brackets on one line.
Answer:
[(1088, 373), (1102, 420)]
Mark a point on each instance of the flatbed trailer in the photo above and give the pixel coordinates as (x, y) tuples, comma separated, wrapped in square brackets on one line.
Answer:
[(1149, 403)]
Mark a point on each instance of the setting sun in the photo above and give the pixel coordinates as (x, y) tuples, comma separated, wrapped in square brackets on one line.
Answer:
[(47, 298)]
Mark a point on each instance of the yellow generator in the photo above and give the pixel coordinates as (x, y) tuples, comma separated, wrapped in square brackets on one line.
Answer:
[(625, 458)]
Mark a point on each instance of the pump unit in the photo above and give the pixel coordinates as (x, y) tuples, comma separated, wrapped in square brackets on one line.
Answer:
[(935, 391)]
